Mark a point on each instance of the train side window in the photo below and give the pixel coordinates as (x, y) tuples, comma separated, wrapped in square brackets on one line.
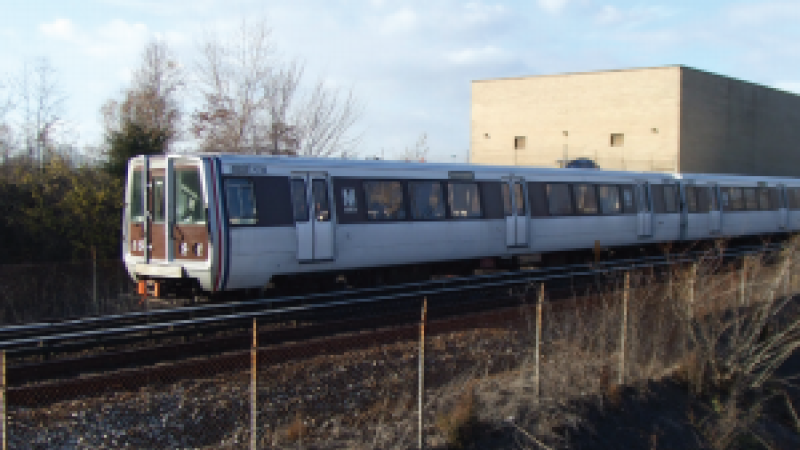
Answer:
[(491, 195), (609, 199), (775, 199), (136, 204), (239, 195), (628, 199), (704, 198), (692, 204), (670, 198), (559, 201), (736, 199), (427, 200), (794, 197), (299, 201), (537, 199), (464, 200), (764, 203), (750, 199), (384, 200), (189, 206), (585, 199), (657, 192), (506, 200)]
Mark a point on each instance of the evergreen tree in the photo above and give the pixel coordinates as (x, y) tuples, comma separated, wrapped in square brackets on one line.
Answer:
[(132, 140)]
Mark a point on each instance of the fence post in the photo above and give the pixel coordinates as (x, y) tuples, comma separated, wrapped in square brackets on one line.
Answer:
[(624, 330), (690, 308), (253, 390), (742, 278), (669, 280), (538, 355), (3, 417), (420, 443), (692, 277), (786, 276)]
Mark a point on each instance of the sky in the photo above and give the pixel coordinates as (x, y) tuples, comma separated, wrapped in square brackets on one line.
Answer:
[(410, 63)]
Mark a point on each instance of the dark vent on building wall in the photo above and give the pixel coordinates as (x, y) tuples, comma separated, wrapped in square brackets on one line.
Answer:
[(519, 143), (617, 139)]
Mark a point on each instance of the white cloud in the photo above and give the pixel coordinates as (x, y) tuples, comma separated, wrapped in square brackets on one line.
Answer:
[(478, 14), (402, 21), (553, 6), (632, 17), (114, 38), (763, 13), (59, 29), (475, 56)]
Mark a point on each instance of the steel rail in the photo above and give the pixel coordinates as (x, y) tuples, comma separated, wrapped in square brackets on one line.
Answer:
[(16, 331), (89, 331)]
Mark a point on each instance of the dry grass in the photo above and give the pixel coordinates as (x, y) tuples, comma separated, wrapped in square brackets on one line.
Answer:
[(458, 424), (719, 335), (297, 429)]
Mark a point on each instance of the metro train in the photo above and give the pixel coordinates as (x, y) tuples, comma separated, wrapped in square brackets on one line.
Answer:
[(214, 223)]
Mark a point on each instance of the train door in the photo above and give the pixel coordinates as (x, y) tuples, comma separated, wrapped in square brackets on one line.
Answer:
[(186, 232), (516, 216), (146, 210), (714, 213), (313, 216), (138, 211), (783, 213), (155, 245), (644, 213)]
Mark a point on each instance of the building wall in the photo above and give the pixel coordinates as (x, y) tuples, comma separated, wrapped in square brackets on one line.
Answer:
[(573, 115), (732, 126)]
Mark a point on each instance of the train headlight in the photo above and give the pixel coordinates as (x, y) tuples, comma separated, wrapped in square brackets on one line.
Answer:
[(198, 249), (184, 249)]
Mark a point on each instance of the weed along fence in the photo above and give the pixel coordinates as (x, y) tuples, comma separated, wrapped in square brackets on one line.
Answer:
[(38, 292), (441, 382)]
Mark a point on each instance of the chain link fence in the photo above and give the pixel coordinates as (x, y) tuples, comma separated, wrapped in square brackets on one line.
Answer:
[(520, 367)]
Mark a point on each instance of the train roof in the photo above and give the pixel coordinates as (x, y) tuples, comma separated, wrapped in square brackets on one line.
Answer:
[(386, 165)]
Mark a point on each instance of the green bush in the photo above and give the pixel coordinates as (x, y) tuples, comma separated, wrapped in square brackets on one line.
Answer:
[(58, 213)]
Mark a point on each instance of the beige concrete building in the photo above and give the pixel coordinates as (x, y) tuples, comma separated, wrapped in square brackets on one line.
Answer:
[(672, 118)]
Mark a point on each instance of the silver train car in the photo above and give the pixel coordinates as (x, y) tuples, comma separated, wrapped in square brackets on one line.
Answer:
[(215, 223)]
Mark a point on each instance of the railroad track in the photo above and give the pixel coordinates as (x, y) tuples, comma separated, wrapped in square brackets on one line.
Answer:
[(37, 370)]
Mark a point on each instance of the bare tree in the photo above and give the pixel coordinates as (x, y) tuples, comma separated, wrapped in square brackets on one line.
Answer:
[(235, 80), (42, 103), (153, 102), (325, 121), (253, 102), (419, 151), (6, 135)]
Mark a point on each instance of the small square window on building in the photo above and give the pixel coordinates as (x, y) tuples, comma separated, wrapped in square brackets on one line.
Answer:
[(519, 142), (617, 139)]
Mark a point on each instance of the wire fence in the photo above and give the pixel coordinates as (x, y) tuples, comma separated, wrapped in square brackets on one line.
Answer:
[(516, 367)]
